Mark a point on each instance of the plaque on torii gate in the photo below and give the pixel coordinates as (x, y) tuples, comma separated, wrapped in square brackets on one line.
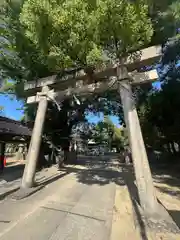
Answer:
[(118, 77)]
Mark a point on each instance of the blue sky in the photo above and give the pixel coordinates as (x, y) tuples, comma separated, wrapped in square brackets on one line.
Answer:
[(157, 85), (11, 107), (95, 119)]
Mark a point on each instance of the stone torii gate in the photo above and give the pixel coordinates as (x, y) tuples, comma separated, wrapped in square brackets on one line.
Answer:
[(117, 77)]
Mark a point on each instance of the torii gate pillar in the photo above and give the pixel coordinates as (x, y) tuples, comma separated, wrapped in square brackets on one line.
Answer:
[(143, 176), (34, 147)]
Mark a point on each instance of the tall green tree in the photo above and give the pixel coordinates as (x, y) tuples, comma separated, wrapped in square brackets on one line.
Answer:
[(165, 20), (71, 33), (106, 133)]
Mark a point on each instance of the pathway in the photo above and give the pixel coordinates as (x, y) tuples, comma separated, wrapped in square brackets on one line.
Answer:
[(77, 206), (89, 201)]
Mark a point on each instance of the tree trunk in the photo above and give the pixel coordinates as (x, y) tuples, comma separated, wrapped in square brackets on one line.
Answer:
[(66, 156), (66, 148), (44, 156), (70, 156), (168, 145), (143, 176)]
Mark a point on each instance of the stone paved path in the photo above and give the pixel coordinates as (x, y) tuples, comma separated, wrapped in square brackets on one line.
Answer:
[(89, 201), (78, 206)]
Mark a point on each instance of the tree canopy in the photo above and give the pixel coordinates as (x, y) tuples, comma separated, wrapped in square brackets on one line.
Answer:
[(107, 133), (81, 33)]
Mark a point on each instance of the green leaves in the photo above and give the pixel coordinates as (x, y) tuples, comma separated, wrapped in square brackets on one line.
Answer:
[(70, 33), (105, 132), (63, 31), (124, 26), (165, 19)]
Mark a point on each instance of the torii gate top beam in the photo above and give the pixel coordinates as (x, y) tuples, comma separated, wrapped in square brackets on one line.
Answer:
[(139, 59), (93, 88)]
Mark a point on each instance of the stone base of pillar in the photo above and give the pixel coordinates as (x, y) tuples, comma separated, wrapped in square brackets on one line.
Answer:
[(26, 192), (146, 220), (152, 224)]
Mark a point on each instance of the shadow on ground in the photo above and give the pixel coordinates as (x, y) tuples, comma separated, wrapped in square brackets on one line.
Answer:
[(52, 179), (104, 171), (12, 173), (166, 168), (22, 193), (175, 216), (97, 171), (169, 191), (167, 178)]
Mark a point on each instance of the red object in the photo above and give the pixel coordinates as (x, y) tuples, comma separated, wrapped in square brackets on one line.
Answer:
[(4, 161)]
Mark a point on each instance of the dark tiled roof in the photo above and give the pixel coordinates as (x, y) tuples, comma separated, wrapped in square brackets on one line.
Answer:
[(11, 127)]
